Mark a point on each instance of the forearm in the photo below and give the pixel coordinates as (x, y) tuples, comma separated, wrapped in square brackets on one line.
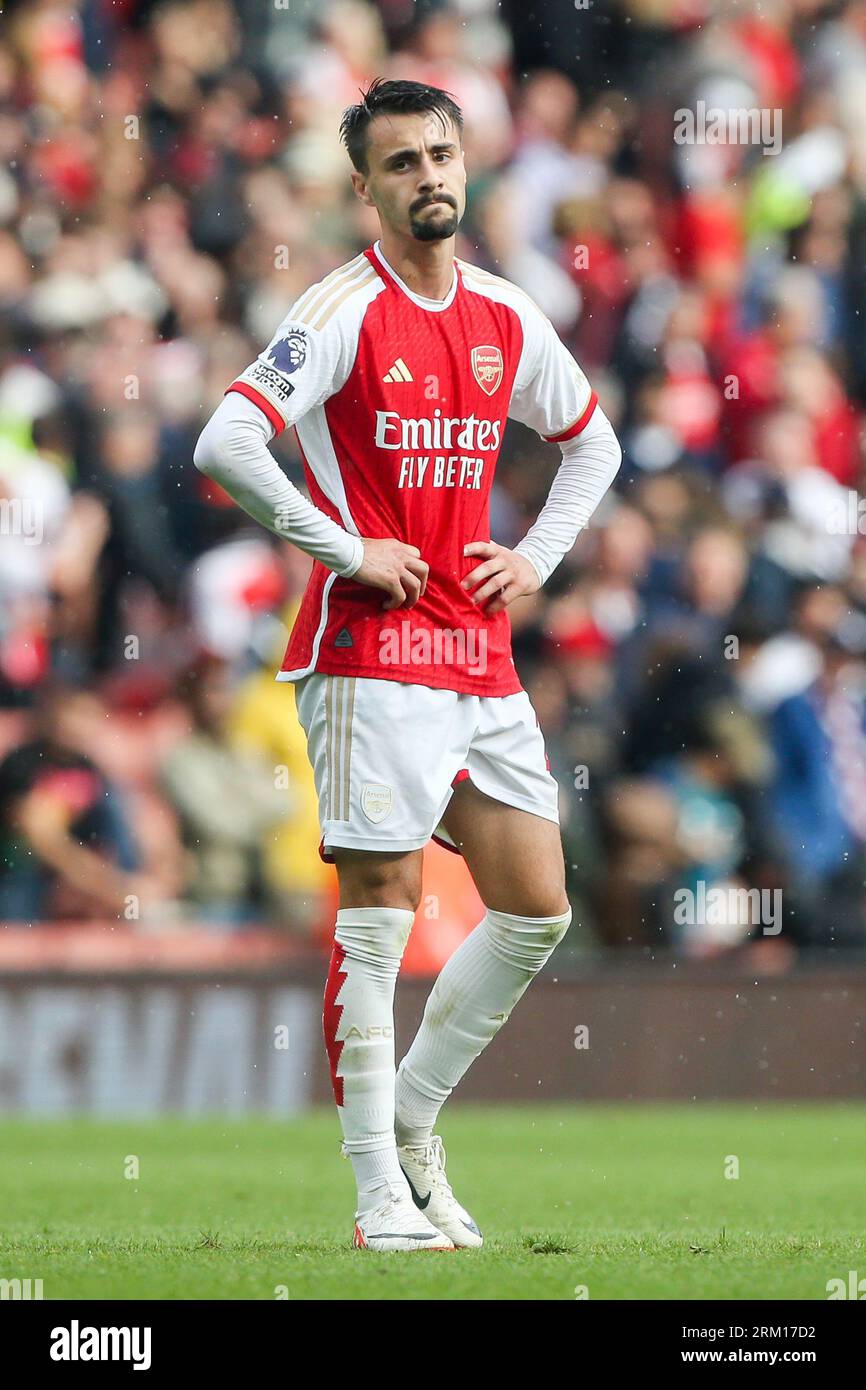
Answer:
[(589, 465), (44, 827), (233, 450)]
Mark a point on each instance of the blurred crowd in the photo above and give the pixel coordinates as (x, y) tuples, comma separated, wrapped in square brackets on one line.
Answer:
[(172, 179)]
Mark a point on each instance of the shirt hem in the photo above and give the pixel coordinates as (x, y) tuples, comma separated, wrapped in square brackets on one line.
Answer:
[(406, 676)]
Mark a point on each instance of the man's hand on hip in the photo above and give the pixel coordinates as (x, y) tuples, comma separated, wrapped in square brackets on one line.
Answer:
[(395, 567), (504, 574)]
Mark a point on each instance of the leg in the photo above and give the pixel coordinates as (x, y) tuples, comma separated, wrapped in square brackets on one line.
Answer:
[(514, 857), (378, 897), (516, 861), (383, 756), (370, 879)]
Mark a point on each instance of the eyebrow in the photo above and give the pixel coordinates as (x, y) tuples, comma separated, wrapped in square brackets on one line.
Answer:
[(410, 154)]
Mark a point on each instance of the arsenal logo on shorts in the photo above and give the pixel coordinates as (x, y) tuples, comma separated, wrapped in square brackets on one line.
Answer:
[(376, 801), (487, 368)]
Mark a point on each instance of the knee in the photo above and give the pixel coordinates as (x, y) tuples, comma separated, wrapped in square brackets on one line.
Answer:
[(376, 936), (537, 901), (534, 886), (379, 880), (553, 927), (549, 905), (526, 942)]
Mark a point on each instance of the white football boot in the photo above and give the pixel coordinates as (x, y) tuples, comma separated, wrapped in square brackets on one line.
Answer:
[(397, 1225), (424, 1168)]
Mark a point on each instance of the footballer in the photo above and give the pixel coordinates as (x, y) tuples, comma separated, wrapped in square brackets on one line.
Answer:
[(398, 372)]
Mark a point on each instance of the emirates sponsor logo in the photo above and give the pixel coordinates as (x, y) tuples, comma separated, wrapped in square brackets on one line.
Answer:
[(436, 431), (487, 367)]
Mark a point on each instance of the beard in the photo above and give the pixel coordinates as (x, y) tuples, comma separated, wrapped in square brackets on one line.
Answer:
[(438, 226)]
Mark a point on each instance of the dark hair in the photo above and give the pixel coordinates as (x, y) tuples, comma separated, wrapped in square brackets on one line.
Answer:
[(385, 96)]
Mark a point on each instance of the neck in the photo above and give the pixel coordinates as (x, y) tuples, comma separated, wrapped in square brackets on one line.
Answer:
[(427, 267)]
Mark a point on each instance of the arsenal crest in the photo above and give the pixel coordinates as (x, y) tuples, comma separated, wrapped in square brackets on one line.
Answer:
[(376, 801), (487, 368)]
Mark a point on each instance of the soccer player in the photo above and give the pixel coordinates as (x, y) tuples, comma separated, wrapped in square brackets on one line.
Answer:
[(398, 372)]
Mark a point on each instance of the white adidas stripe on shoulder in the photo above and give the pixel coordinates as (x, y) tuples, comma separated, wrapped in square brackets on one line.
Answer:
[(318, 304), (485, 282), (304, 300)]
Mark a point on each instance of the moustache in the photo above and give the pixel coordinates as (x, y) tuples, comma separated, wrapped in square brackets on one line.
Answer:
[(419, 207)]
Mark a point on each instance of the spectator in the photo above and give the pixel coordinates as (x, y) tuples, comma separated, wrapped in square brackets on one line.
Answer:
[(69, 849), (173, 180), (228, 800), (818, 797)]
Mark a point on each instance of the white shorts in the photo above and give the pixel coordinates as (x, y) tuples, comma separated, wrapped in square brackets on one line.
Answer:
[(386, 756)]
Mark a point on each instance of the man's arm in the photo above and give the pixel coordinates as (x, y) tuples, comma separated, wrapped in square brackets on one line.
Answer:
[(43, 823), (552, 396), (590, 462), (233, 450), (300, 369)]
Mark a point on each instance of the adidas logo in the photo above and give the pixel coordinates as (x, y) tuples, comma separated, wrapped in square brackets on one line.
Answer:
[(399, 372), (343, 638)]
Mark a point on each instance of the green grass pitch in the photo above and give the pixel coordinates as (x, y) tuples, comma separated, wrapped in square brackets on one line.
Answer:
[(628, 1201)]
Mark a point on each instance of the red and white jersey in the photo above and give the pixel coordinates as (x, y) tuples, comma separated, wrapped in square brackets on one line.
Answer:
[(400, 405)]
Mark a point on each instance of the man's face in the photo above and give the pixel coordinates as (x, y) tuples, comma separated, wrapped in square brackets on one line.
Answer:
[(415, 176)]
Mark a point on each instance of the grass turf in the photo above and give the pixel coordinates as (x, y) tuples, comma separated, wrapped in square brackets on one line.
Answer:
[(631, 1202)]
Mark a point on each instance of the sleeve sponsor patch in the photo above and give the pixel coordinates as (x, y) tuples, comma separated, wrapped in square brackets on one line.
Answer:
[(268, 380)]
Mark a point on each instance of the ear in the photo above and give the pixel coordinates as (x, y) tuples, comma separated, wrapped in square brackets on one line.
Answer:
[(359, 183)]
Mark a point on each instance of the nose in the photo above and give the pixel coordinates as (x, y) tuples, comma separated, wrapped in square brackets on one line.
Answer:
[(429, 175)]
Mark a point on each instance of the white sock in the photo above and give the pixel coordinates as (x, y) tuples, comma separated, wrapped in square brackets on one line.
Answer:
[(473, 996), (358, 1023)]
